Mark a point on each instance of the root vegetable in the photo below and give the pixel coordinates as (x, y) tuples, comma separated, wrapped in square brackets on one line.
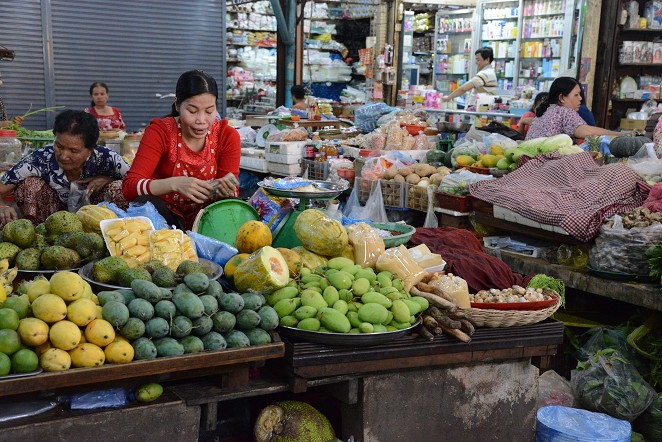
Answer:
[(434, 290), (399, 178), (467, 327), (459, 334), (390, 173), (429, 322), (443, 320), (404, 171), (425, 333), (434, 299), (413, 178)]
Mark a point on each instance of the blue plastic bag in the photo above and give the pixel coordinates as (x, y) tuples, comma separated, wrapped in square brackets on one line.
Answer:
[(113, 398), (150, 212), (212, 249), (558, 423)]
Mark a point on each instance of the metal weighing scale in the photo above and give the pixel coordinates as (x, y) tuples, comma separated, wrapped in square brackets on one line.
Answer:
[(284, 235)]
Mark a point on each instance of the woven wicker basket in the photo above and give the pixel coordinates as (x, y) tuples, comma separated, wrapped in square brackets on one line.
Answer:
[(509, 318)]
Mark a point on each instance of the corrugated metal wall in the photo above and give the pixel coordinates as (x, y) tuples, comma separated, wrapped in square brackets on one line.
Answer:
[(21, 31), (138, 49)]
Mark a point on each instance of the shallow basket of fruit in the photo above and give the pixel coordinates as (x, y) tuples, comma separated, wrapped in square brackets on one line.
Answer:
[(213, 271), (359, 339)]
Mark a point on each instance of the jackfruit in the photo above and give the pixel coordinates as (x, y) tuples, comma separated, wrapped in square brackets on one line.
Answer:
[(292, 421)]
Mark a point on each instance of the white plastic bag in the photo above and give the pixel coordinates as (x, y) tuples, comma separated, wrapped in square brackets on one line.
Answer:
[(78, 197), (431, 217), (374, 208), (646, 164)]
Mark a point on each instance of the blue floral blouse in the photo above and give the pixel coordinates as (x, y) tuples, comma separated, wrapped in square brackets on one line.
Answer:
[(42, 163)]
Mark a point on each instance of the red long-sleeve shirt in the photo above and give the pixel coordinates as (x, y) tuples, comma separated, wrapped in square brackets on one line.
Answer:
[(157, 155)]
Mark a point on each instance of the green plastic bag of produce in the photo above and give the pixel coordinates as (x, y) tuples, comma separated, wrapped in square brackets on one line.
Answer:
[(608, 383)]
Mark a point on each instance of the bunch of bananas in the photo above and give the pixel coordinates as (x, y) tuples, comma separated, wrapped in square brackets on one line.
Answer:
[(7, 277)]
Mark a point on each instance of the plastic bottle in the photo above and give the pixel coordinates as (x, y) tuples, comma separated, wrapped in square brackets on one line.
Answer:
[(11, 149)]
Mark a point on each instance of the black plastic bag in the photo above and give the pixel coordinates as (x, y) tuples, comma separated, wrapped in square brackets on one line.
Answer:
[(499, 128)]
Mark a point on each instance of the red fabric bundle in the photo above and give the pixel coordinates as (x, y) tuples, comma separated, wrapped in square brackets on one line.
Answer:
[(466, 258)]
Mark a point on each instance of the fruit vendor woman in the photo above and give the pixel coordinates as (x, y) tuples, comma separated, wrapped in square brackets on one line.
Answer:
[(188, 159), (557, 114), (42, 181)]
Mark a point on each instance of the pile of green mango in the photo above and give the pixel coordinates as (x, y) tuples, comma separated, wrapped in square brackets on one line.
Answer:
[(196, 316), (342, 297)]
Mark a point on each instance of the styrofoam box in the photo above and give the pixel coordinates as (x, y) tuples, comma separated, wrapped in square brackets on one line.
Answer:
[(286, 147), (256, 164), (284, 169), (282, 158)]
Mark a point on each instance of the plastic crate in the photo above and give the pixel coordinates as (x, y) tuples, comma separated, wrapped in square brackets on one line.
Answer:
[(417, 197), (317, 170), (393, 192), (457, 203)]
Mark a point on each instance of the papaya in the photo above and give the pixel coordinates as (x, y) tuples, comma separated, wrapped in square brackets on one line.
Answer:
[(265, 271), (252, 236), (293, 260), (309, 260), (320, 233), (231, 266)]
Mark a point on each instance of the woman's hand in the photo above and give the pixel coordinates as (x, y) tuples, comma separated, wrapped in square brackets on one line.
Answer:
[(18, 120), (196, 190), (7, 214), (225, 187), (95, 184)]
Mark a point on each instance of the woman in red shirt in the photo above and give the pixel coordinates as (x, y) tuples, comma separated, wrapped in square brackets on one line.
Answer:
[(188, 159), (108, 117)]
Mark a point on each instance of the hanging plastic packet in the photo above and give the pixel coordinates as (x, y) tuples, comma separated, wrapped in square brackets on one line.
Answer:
[(367, 244), (399, 262), (189, 251), (128, 238), (167, 245)]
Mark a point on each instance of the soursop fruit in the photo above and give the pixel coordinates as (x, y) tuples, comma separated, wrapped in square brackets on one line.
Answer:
[(28, 259), (107, 270), (61, 222), (59, 258), (20, 232)]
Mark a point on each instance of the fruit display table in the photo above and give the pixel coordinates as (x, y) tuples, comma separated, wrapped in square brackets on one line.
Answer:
[(231, 364)]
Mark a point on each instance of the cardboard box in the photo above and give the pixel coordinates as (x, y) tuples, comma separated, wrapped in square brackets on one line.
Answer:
[(630, 124)]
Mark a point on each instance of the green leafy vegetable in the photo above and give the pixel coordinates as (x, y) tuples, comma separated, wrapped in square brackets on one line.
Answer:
[(542, 281)]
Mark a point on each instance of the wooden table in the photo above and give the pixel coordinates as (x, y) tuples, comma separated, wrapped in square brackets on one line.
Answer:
[(643, 295), (231, 364)]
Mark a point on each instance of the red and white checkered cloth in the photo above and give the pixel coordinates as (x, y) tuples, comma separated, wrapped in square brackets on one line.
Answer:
[(568, 191)]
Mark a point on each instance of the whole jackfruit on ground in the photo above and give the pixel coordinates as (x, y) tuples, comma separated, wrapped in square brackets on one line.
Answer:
[(292, 421)]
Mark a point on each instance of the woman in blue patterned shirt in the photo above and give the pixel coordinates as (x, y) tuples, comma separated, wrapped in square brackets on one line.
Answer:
[(41, 181)]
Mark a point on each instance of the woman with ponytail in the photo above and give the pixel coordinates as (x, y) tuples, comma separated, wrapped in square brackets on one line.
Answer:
[(558, 115), (188, 159)]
